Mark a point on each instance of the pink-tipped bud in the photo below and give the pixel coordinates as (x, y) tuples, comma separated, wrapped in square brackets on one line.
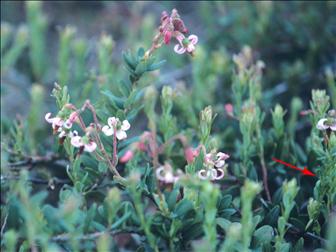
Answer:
[(190, 154), (167, 37), (126, 157), (141, 146), (229, 109), (73, 117), (306, 112)]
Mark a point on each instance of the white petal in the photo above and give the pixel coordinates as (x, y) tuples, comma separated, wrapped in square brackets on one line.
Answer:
[(222, 156), (48, 119), (202, 174), (125, 125), (212, 173), (112, 121), (67, 124), (208, 157), (107, 130), (190, 48), (169, 178), (90, 147), (193, 39), (333, 127), (62, 134), (121, 134), (77, 141), (73, 133), (159, 173), (57, 122), (221, 174), (179, 49), (320, 125)]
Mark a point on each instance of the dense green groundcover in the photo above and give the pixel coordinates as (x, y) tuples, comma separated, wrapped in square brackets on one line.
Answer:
[(166, 131)]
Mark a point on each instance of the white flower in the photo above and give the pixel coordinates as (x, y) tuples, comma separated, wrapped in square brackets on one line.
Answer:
[(60, 125), (67, 124), (186, 44), (80, 142), (114, 124), (217, 160), (165, 174), (212, 174), (324, 124), (55, 122), (213, 164), (220, 161)]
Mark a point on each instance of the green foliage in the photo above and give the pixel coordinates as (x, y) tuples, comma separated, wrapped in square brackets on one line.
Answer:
[(37, 23), (66, 36), (144, 191), (20, 42)]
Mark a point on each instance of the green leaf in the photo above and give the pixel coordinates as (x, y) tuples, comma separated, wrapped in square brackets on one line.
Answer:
[(183, 207), (284, 247), (129, 60), (140, 68), (88, 161), (141, 53), (226, 213), (223, 223), (172, 197), (124, 89), (134, 112), (89, 217), (117, 100), (298, 246), (225, 201), (256, 219), (263, 235), (155, 66), (102, 167), (272, 217), (121, 219)]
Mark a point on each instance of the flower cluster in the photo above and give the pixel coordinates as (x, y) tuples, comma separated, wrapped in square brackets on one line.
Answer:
[(83, 143), (60, 125), (215, 164), (116, 127), (63, 128), (328, 123), (165, 174), (173, 26), (63, 124)]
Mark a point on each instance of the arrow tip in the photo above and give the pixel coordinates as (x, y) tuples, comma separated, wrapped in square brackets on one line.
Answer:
[(306, 172)]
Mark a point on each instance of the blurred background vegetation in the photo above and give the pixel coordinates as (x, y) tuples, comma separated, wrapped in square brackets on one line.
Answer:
[(296, 40), (80, 44)]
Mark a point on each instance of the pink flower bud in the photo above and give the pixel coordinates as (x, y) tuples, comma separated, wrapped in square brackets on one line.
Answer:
[(167, 37), (190, 154), (73, 117), (126, 157), (141, 146), (306, 112), (229, 109)]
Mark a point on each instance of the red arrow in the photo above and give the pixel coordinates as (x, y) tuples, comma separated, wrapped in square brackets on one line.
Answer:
[(304, 171)]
